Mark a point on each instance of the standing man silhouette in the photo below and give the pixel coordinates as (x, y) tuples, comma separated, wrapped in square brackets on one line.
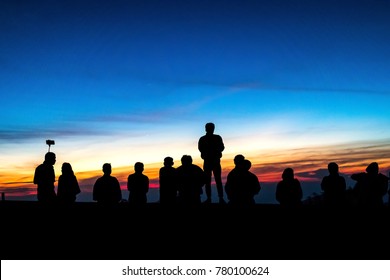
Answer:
[(334, 187), (107, 190), (44, 178), (138, 186), (211, 147)]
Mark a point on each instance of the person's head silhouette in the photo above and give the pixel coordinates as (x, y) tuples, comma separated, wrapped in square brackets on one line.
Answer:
[(138, 167), (333, 168), (107, 169), (50, 158), (238, 159), (186, 160), (246, 164), (67, 169), (209, 128), (372, 168), (168, 161), (288, 174)]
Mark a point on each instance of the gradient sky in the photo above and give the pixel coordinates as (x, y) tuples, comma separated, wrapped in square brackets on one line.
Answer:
[(288, 84)]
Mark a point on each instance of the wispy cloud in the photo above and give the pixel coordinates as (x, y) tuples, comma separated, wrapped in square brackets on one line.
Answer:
[(311, 163), (255, 85), (23, 134)]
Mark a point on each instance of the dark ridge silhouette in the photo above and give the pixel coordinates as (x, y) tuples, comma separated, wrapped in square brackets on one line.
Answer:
[(31, 230), (211, 147), (138, 186)]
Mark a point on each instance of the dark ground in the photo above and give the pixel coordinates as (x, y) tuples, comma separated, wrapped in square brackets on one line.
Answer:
[(86, 231)]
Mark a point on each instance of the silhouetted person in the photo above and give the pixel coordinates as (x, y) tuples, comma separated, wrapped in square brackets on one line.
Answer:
[(191, 179), (44, 178), (370, 186), (289, 191), (107, 190), (68, 186), (334, 187), (138, 186), (211, 147), (232, 178), (388, 198), (242, 185), (168, 182)]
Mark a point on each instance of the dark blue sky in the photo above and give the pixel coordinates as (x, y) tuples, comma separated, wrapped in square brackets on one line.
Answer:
[(298, 44)]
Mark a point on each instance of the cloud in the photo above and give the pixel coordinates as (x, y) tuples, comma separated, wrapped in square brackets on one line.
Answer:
[(177, 108), (255, 85), (311, 163), (19, 190), (139, 118), (23, 134)]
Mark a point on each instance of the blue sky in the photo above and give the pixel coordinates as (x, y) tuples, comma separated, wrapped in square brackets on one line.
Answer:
[(127, 81)]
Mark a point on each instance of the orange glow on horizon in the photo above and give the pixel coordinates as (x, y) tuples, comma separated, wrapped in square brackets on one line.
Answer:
[(268, 166)]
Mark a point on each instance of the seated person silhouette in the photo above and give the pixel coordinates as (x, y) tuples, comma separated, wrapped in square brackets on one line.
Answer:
[(242, 185), (138, 186), (370, 186), (44, 178), (232, 175), (289, 191), (107, 190), (334, 187), (68, 186), (168, 182), (191, 179)]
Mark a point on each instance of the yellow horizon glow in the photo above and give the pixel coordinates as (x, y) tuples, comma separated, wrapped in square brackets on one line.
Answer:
[(266, 164)]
